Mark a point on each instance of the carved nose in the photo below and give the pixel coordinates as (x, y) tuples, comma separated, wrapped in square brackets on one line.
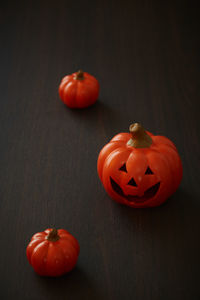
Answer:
[(132, 182)]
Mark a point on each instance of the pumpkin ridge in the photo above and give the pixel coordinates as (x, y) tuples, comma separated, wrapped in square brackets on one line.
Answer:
[(113, 152), (37, 248), (103, 155), (69, 245), (33, 244), (162, 140), (69, 241)]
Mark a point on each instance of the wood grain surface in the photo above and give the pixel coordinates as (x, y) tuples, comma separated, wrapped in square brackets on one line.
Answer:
[(145, 55)]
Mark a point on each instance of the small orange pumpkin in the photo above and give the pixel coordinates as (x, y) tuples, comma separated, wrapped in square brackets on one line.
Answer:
[(139, 169), (52, 252), (79, 90)]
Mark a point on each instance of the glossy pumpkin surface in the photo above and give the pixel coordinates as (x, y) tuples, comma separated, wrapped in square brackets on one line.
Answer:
[(79, 90), (139, 169), (53, 252)]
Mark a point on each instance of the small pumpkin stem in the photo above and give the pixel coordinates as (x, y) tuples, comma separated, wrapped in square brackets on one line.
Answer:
[(53, 235), (79, 75), (139, 139)]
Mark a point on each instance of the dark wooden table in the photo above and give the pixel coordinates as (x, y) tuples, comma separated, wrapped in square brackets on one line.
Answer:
[(145, 55)]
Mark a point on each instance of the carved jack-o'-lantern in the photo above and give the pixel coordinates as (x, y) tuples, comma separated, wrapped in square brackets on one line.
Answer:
[(139, 169)]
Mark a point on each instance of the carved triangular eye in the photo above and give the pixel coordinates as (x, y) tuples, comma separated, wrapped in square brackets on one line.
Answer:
[(123, 168), (148, 171), (132, 182)]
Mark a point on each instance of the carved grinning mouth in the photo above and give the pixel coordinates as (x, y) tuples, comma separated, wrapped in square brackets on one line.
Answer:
[(148, 194)]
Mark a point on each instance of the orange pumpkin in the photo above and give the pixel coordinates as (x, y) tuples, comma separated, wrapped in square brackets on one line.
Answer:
[(79, 90), (139, 169), (53, 252)]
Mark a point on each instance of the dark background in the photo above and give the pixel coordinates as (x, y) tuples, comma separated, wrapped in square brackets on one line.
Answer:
[(145, 55)]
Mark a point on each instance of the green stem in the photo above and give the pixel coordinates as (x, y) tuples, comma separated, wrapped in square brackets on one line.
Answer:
[(139, 139), (79, 75), (53, 235)]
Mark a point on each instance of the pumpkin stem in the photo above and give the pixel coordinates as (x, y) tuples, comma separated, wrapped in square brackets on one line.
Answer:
[(53, 235), (139, 139), (79, 75)]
